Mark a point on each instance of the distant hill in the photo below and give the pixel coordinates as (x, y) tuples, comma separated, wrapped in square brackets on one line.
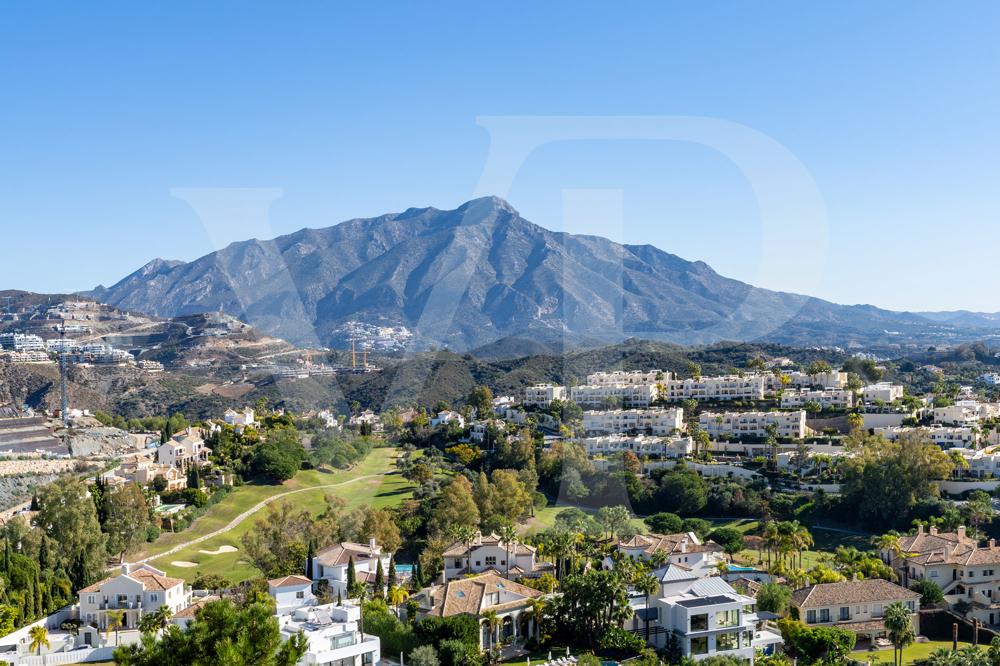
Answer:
[(469, 277), (518, 347)]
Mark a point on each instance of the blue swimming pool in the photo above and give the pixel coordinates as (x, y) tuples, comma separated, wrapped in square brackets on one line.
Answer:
[(732, 567), (404, 567)]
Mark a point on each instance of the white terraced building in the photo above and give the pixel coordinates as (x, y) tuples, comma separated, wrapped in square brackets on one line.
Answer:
[(652, 421), (945, 437), (620, 377), (628, 395), (542, 395), (727, 387), (965, 411), (753, 424), (798, 380), (21, 342), (668, 447), (830, 398)]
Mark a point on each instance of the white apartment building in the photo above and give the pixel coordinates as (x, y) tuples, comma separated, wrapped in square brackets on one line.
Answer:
[(330, 564), (991, 378), (800, 380), (542, 395), (965, 411), (883, 391), (727, 387), (620, 377), (139, 590), (63, 345), (945, 437), (651, 421), (186, 448), (628, 395), (21, 342), (753, 424), (641, 445), (828, 398), (25, 357)]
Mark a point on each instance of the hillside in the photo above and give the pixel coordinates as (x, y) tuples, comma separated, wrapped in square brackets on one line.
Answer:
[(474, 275)]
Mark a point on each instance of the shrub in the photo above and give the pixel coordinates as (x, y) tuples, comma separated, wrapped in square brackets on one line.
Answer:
[(616, 641), (152, 533), (929, 591), (664, 523), (395, 636), (425, 655), (454, 652)]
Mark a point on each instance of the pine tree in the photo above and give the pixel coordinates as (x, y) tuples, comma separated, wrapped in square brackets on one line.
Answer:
[(379, 578), (34, 502), (309, 559), (351, 575), (391, 578), (340, 601)]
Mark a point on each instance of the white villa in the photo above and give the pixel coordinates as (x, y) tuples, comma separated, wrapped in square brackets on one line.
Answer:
[(330, 564), (241, 420), (186, 448), (884, 391), (489, 554), (945, 437), (683, 550)]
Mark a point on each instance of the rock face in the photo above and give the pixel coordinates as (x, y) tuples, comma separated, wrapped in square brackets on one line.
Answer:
[(471, 276), (100, 441)]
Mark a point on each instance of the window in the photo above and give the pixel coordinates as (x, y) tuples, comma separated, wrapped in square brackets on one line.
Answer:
[(153, 598), (490, 561), (845, 613), (367, 658), (877, 610), (699, 645), (91, 600), (857, 610), (934, 573), (477, 563), (866, 609), (699, 622), (341, 641), (460, 594), (300, 594), (726, 618), (811, 617), (492, 599), (824, 615), (909, 605), (457, 564), (725, 642), (747, 637)]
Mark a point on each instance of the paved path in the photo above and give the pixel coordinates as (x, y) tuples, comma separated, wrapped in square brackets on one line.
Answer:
[(246, 514)]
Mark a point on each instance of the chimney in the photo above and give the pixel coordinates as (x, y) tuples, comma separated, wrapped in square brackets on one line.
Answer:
[(371, 546), (920, 529), (993, 543), (684, 543), (947, 553), (854, 577), (961, 532), (125, 568), (933, 531)]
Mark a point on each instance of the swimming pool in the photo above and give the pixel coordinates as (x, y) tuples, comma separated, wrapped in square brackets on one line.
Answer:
[(404, 567), (732, 567)]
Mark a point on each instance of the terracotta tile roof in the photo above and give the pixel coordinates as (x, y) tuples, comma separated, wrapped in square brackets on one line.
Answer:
[(745, 586), (149, 580), (872, 590), (341, 553), (458, 548), (193, 608), (289, 581), (670, 543), (467, 595)]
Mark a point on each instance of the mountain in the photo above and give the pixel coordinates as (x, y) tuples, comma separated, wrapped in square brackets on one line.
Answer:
[(474, 275)]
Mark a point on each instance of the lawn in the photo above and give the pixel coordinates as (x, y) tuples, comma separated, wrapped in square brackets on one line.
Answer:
[(376, 491), (558, 650), (917, 651)]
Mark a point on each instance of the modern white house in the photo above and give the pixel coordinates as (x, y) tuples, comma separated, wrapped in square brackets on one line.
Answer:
[(330, 564), (753, 424), (290, 591), (944, 436), (828, 398), (332, 633), (885, 391)]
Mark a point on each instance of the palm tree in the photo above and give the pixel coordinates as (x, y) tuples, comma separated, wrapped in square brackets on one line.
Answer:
[(943, 657), (899, 629), (535, 612), (493, 620), (971, 655), (115, 620), (646, 585), (162, 617), (659, 558), (397, 595), (994, 651), (959, 461), (887, 542), (509, 536), (39, 637), (855, 421), (148, 624), (359, 591)]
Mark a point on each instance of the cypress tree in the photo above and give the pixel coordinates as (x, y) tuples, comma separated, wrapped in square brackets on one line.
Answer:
[(6, 554), (39, 594), (340, 601), (29, 599), (309, 559), (43, 553), (379, 578), (391, 578), (418, 576), (34, 502), (351, 575)]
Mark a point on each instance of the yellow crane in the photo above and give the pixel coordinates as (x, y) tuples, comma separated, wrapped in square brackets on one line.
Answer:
[(354, 354)]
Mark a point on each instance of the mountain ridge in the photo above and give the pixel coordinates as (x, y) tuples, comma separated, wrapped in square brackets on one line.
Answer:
[(480, 273)]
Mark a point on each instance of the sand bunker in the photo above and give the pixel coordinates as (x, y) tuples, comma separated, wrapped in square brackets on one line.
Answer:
[(220, 551), (186, 565)]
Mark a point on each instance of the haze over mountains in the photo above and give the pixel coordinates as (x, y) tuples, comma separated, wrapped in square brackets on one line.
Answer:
[(480, 273)]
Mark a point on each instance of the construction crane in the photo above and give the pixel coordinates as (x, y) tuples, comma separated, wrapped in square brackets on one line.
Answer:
[(309, 354), (354, 354), (62, 367)]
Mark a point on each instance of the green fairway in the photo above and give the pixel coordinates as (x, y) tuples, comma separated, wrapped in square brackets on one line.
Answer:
[(376, 491)]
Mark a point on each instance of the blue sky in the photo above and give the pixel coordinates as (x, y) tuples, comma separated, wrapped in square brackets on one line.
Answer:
[(357, 112)]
